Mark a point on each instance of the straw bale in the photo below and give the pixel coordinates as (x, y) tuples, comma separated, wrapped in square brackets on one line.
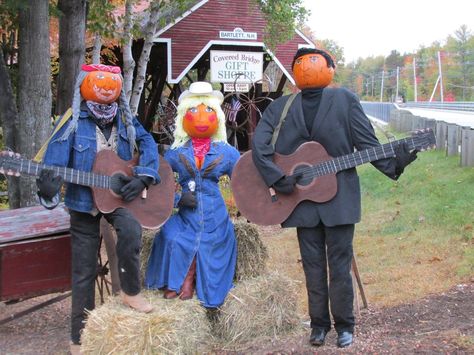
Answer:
[(258, 307), (174, 327), (252, 254), (147, 244)]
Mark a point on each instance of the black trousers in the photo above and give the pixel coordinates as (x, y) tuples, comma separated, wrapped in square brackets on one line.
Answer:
[(85, 234), (328, 248)]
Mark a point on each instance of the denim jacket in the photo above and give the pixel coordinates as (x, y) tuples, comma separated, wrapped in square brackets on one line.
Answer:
[(78, 151)]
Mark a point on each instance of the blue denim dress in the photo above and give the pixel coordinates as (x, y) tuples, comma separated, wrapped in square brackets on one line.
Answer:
[(205, 232)]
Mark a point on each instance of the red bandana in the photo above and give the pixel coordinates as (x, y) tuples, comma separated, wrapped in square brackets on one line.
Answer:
[(101, 67), (201, 147)]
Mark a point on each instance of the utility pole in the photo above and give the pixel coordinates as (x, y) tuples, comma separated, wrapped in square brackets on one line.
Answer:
[(398, 73), (440, 77), (381, 86), (414, 79), (372, 90)]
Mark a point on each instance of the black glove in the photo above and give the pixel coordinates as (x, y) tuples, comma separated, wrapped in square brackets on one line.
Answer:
[(403, 157), (132, 186), (286, 184), (48, 184), (188, 199)]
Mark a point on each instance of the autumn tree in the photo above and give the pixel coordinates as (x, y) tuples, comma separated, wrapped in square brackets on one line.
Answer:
[(72, 22), (25, 117)]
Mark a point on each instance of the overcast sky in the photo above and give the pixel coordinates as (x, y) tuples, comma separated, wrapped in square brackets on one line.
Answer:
[(374, 27)]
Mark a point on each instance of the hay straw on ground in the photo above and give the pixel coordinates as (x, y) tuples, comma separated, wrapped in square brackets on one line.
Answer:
[(174, 327), (262, 306), (147, 244), (252, 254)]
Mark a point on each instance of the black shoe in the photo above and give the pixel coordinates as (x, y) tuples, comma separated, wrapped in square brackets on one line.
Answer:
[(344, 339), (318, 336)]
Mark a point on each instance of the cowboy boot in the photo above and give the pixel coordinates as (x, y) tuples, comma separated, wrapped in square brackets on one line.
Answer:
[(187, 290), (170, 294), (136, 302)]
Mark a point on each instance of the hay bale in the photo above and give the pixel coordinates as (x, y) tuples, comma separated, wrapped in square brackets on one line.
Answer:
[(252, 254), (262, 306), (174, 327), (147, 244)]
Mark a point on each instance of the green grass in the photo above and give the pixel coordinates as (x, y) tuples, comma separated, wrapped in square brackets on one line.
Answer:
[(416, 234)]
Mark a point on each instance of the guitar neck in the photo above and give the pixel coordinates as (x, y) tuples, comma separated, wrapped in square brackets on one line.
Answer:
[(74, 176), (360, 157)]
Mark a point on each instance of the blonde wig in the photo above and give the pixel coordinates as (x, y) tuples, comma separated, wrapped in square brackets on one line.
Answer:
[(181, 137)]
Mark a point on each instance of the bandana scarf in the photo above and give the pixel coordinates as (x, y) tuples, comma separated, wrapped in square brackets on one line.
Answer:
[(103, 114), (200, 147)]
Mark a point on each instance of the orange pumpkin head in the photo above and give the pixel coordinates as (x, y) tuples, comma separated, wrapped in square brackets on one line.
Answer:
[(312, 71), (101, 86), (200, 121)]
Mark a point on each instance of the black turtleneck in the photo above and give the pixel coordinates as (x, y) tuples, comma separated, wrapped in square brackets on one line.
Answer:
[(311, 98)]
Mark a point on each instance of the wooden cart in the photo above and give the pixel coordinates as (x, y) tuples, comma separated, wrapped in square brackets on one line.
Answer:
[(35, 256)]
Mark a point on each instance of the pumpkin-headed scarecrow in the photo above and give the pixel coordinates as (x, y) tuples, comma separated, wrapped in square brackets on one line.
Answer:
[(100, 120), (196, 248)]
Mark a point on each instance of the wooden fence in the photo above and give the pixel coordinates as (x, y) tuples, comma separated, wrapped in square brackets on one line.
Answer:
[(450, 137)]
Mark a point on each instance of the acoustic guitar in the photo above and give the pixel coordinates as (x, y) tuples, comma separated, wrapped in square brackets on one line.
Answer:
[(151, 209), (262, 205)]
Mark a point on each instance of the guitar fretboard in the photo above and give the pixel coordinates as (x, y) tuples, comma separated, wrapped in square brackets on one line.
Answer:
[(74, 176), (352, 160)]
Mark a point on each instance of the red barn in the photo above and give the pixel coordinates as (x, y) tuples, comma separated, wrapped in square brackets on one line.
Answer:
[(231, 32)]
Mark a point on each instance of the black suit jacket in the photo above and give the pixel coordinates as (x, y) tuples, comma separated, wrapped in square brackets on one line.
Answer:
[(341, 126)]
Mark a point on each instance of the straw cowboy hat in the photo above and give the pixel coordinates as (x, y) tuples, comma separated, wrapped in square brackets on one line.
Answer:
[(201, 88)]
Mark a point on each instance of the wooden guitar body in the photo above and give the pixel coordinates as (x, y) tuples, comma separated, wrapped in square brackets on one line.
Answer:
[(152, 208), (253, 198)]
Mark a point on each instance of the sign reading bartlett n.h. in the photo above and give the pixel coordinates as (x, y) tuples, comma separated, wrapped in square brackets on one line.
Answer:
[(238, 33), (226, 66)]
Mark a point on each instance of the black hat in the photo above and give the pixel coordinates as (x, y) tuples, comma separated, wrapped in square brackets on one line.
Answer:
[(306, 50)]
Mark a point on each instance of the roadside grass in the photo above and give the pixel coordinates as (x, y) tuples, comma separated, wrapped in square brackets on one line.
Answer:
[(416, 235)]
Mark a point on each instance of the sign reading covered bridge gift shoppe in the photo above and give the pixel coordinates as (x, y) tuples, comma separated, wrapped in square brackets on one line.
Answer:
[(226, 66)]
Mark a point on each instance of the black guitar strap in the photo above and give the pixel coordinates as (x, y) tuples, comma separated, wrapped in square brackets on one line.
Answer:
[(276, 132)]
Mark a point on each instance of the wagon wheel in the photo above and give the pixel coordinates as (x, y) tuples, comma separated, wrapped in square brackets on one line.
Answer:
[(164, 121), (107, 280)]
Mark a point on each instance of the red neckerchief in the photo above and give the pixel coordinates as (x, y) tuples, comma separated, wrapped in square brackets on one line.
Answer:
[(200, 147)]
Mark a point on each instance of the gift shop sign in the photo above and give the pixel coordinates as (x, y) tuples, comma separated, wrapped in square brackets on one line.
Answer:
[(227, 66)]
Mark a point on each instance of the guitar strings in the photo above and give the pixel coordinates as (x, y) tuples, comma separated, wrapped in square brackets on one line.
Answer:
[(329, 166), (87, 178)]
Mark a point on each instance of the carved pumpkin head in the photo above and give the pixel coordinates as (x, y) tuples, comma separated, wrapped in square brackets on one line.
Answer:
[(101, 86), (312, 68), (200, 121)]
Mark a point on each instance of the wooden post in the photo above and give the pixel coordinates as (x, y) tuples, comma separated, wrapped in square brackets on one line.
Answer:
[(452, 147), (405, 124), (355, 271), (441, 131), (467, 146), (430, 124), (110, 241), (395, 120)]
